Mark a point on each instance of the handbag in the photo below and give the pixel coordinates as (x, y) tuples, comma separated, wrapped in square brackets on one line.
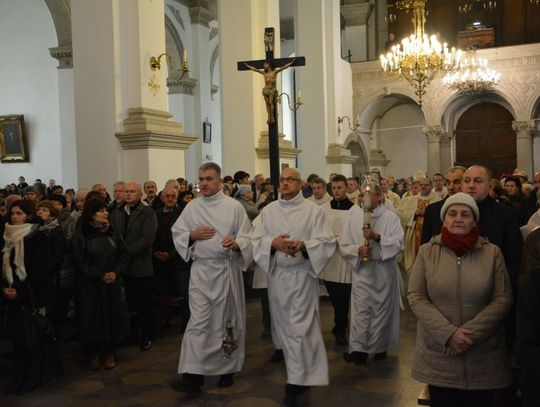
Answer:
[(27, 327)]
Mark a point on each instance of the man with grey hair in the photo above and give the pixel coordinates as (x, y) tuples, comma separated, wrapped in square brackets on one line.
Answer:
[(150, 190), (214, 232), (119, 189), (137, 224), (293, 243)]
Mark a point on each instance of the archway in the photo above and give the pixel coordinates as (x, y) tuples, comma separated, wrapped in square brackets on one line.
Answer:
[(360, 166), (484, 135)]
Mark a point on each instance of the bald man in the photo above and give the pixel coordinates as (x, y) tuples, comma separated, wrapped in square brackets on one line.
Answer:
[(137, 224), (293, 243)]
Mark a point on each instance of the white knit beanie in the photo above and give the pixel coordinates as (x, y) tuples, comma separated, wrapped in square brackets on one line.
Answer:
[(463, 199)]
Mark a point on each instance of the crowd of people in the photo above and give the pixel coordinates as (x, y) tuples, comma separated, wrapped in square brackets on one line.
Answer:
[(461, 247)]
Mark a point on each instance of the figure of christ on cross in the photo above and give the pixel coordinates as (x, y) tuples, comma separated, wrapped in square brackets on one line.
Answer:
[(270, 92), (269, 68)]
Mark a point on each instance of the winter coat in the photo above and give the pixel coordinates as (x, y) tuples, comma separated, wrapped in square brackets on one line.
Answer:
[(104, 316), (473, 292)]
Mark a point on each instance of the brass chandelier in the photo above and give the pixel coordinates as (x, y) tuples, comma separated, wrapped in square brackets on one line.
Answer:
[(419, 58), (473, 76)]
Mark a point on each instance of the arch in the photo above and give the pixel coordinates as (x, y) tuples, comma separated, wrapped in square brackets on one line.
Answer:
[(355, 144), (61, 15), (459, 103), (380, 105), (173, 43)]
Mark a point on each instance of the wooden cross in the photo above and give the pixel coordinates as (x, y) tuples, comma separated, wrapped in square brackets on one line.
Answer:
[(269, 68)]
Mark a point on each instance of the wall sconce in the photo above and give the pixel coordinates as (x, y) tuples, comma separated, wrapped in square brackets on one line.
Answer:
[(341, 119), (299, 103), (155, 65)]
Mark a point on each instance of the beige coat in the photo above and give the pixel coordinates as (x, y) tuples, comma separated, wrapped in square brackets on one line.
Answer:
[(473, 292)]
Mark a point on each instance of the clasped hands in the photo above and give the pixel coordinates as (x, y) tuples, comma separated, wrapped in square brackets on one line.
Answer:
[(206, 232), (289, 247), (459, 342), (109, 278)]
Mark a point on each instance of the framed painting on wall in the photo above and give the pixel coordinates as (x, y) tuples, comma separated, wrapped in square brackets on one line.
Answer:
[(207, 131), (13, 147)]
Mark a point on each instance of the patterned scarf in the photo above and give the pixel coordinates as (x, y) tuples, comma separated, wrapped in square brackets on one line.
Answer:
[(460, 245), (14, 238)]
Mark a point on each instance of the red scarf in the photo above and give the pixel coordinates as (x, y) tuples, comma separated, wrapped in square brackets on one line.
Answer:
[(460, 245)]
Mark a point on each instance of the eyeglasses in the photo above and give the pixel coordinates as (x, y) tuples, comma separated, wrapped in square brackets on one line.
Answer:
[(289, 179)]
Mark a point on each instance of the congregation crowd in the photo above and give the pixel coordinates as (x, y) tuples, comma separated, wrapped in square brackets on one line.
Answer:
[(462, 249)]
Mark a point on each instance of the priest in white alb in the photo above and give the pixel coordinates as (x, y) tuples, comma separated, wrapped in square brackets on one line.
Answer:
[(375, 296), (214, 232), (292, 244)]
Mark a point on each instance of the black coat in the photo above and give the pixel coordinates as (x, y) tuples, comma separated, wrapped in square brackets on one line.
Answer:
[(138, 230), (104, 317), (432, 220), (528, 338)]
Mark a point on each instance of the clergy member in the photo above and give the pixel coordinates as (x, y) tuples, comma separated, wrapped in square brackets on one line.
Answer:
[(293, 244), (214, 232), (411, 212), (374, 326), (319, 194)]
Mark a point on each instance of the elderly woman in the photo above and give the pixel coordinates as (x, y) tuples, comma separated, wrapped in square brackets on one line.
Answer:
[(100, 255), (459, 290), (244, 195)]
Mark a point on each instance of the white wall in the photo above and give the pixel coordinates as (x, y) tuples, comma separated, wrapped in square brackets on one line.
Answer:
[(405, 148), (29, 84)]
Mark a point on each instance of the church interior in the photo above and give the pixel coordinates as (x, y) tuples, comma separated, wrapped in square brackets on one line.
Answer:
[(93, 108)]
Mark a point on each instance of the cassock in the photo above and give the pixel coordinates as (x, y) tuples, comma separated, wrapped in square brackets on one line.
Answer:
[(413, 224), (216, 289), (375, 294), (293, 287)]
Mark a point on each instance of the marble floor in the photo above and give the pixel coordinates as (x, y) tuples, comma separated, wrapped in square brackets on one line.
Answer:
[(141, 378)]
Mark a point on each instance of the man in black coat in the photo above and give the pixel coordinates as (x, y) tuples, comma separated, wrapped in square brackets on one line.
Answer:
[(137, 224), (432, 215)]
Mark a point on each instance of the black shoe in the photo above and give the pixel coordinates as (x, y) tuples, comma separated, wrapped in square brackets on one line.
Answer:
[(185, 386), (226, 380), (341, 339), (358, 358), (290, 400), (277, 356), (145, 345), (380, 356)]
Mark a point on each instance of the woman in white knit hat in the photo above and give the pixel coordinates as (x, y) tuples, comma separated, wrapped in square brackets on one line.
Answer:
[(459, 289)]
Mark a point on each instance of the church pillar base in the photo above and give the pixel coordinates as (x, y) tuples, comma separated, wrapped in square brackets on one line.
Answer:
[(287, 153)]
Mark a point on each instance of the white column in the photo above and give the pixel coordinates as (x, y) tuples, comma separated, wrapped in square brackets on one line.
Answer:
[(446, 151), (317, 33), (241, 30), (524, 144), (200, 70), (112, 96), (433, 135), (68, 145)]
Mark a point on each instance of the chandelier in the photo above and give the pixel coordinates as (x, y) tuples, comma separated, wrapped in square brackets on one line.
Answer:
[(473, 76), (419, 58)]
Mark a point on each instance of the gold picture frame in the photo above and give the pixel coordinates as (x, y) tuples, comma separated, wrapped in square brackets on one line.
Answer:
[(13, 147)]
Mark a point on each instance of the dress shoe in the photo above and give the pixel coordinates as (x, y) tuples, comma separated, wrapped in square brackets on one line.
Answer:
[(380, 356), (226, 380), (341, 339), (358, 358), (145, 345), (110, 361), (277, 356), (189, 384), (95, 362)]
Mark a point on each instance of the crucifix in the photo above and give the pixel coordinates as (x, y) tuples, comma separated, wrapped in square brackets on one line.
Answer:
[(269, 69)]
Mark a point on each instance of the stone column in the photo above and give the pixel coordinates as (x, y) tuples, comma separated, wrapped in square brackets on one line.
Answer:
[(433, 135), (524, 144), (243, 112), (446, 151), (68, 145), (317, 38), (113, 96)]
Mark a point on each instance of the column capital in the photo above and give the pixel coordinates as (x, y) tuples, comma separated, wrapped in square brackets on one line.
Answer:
[(378, 158), (524, 129), (201, 15), (433, 133), (286, 148), (339, 154), (446, 140), (182, 86), (64, 55)]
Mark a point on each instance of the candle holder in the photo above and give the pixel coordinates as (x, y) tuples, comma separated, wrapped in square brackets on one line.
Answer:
[(296, 105), (367, 189), (155, 65)]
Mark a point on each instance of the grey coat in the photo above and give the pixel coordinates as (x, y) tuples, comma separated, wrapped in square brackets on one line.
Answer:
[(473, 292), (138, 233)]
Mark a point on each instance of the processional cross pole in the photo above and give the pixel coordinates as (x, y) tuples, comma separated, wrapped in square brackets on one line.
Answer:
[(269, 69)]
